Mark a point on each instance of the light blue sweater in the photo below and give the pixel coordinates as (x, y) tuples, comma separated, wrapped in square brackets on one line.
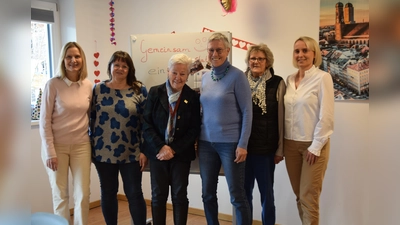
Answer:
[(227, 107)]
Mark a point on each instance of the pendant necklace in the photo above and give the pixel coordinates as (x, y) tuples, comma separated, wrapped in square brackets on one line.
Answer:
[(214, 78)]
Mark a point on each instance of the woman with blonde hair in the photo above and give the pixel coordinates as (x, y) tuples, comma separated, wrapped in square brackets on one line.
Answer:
[(63, 128), (309, 103)]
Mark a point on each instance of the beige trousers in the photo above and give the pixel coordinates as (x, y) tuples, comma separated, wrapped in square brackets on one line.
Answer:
[(76, 158), (306, 180)]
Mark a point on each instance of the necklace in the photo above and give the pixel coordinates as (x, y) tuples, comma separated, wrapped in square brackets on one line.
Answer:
[(214, 78)]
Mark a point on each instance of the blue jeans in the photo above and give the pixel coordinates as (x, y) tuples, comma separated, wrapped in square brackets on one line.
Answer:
[(132, 180), (162, 175), (261, 168), (211, 156)]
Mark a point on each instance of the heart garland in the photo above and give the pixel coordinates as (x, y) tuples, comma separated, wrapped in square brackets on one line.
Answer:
[(96, 63), (238, 43), (112, 20)]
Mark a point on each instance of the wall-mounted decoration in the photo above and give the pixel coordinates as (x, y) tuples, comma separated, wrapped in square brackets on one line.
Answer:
[(228, 6), (237, 43), (344, 43), (96, 64), (112, 23)]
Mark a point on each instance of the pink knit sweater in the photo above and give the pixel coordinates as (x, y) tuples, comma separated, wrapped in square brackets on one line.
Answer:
[(64, 113)]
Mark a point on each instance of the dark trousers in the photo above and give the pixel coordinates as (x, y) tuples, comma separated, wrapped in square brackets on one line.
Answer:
[(132, 181), (164, 174), (261, 168)]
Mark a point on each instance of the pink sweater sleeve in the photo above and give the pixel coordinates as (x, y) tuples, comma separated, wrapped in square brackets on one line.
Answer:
[(45, 122)]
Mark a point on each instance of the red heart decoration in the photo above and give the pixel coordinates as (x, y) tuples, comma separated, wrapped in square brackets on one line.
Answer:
[(96, 81), (96, 55), (96, 63), (97, 73)]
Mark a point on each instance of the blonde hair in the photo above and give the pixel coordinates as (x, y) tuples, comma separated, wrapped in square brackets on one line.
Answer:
[(261, 48), (313, 46), (62, 72)]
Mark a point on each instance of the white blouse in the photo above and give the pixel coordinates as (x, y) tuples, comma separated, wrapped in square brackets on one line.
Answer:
[(309, 109)]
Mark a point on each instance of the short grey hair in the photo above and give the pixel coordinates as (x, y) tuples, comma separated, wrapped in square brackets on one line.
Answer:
[(180, 58), (219, 37)]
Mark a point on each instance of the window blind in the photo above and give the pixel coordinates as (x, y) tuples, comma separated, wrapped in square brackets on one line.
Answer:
[(42, 15)]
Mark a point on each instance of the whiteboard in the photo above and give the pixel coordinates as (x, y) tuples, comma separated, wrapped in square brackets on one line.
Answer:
[(150, 53)]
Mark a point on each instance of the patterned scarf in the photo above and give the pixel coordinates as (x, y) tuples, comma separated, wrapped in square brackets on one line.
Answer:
[(172, 99), (257, 86)]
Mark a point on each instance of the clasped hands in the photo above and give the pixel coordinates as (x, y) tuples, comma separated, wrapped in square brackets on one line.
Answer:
[(165, 153)]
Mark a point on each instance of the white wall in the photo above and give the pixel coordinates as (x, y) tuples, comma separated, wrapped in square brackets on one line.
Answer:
[(67, 21), (40, 187), (345, 196)]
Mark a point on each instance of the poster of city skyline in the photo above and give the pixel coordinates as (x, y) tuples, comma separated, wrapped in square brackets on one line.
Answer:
[(344, 43)]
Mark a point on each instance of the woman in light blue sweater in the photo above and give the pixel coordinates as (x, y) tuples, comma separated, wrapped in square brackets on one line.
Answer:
[(226, 125)]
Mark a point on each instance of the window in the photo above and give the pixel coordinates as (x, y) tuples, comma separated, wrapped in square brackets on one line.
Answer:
[(44, 39), (41, 63)]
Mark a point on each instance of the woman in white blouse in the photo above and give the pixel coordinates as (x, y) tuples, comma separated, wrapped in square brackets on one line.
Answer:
[(309, 103)]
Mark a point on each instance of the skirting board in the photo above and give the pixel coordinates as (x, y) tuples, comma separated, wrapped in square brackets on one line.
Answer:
[(193, 211)]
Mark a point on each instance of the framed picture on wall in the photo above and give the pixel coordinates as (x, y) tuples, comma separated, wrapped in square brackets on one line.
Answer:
[(344, 43)]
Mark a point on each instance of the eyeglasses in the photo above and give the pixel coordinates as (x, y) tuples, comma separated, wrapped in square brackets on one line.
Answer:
[(257, 59), (218, 50)]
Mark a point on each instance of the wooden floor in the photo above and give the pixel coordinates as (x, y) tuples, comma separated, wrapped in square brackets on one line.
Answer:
[(96, 216)]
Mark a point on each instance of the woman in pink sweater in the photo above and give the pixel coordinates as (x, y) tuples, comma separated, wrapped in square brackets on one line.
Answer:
[(64, 132)]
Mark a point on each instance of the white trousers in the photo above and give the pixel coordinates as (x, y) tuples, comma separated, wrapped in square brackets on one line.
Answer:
[(76, 157)]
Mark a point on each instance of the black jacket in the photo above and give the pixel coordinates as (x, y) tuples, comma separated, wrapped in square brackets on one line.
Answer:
[(187, 127)]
